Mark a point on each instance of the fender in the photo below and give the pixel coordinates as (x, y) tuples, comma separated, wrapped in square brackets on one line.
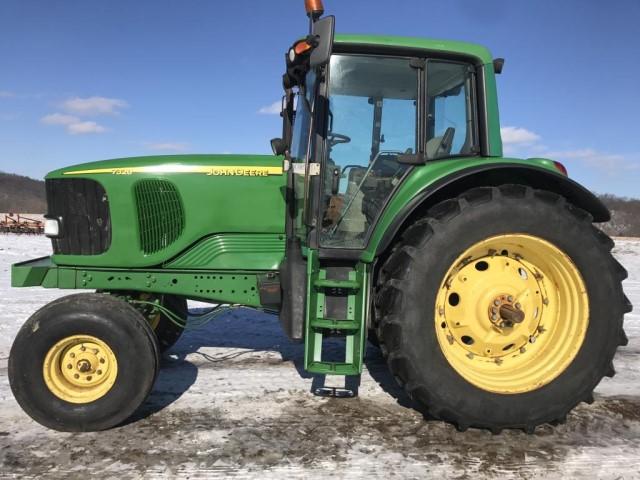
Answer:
[(538, 175)]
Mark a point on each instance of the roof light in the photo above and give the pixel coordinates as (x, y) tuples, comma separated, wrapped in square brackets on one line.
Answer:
[(301, 47), (314, 8)]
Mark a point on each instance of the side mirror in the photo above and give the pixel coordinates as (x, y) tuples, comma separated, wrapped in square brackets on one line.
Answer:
[(278, 146), (323, 31)]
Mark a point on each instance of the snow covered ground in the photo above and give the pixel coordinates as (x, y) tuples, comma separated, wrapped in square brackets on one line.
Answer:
[(232, 400)]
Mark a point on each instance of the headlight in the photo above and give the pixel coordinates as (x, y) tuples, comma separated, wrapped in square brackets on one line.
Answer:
[(52, 227)]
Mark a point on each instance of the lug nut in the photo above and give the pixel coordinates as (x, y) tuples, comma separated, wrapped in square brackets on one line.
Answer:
[(510, 298), (69, 366), (99, 372), (494, 317), (83, 348), (72, 355), (76, 376), (496, 302), (518, 306), (494, 310), (532, 339), (89, 378), (102, 360)]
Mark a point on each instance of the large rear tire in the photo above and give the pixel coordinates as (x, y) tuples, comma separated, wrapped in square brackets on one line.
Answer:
[(502, 308), (83, 362)]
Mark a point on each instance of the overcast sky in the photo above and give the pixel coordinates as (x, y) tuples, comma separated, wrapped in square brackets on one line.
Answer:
[(88, 80)]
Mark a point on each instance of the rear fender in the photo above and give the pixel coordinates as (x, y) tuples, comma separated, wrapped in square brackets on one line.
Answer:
[(460, 181)]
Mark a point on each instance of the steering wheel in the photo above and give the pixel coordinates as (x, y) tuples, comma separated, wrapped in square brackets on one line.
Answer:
[(336, 139)]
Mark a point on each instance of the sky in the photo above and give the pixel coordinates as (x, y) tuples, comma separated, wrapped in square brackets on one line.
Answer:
[(84, 80)]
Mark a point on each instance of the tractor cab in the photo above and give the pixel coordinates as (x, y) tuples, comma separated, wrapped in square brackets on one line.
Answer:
[(358, 117)]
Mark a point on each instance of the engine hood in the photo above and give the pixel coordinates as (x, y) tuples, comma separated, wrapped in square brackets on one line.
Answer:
[(159, 207)]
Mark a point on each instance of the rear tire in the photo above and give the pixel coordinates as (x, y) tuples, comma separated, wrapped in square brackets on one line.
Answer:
[(83, 362), (419, 268)]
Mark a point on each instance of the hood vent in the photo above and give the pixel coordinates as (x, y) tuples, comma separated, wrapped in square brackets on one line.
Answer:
[(160, 214)]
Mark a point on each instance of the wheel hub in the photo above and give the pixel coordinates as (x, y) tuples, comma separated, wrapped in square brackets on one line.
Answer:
[(80, 369), (486, 304), (505, 311)]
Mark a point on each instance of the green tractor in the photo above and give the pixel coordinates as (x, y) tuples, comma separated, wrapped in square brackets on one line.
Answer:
[(387, 213)]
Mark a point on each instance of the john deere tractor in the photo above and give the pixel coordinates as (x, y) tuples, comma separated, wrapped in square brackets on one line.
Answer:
[(387, 212)]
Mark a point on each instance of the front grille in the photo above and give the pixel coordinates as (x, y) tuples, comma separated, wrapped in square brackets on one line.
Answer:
[(83, 206), (160, 214)]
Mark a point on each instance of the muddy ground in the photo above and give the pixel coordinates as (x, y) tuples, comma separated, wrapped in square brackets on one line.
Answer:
[(232, 400)]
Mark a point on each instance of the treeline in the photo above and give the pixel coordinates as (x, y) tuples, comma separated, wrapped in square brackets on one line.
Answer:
[(25, 195), (625, 216), (20, 194)]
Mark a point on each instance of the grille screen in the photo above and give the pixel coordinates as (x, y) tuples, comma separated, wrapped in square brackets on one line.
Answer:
[(160, 214)]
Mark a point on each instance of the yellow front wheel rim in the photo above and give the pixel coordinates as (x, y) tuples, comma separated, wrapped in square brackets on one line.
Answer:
[(80, 369), (511, 313)]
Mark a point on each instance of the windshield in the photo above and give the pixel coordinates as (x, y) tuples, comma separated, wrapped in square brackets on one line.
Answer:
[(372, 119)]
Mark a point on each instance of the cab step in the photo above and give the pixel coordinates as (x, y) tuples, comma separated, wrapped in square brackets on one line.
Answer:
[(350, 294), (324, 283)]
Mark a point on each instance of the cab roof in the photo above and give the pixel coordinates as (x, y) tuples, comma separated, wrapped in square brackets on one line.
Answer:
[(450, 46)]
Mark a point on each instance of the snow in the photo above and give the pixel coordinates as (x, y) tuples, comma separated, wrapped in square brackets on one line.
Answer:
[(232, 400)]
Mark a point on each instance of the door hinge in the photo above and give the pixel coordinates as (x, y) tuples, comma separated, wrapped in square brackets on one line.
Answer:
[(299, 169), (419, 63)]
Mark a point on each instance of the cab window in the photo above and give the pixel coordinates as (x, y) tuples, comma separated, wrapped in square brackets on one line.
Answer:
[(372, 119), (451, 109)]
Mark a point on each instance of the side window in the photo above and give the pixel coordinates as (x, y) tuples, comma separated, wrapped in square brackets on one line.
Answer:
[(451, 117)]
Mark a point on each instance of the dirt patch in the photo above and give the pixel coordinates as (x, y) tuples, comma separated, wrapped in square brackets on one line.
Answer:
[(312, 433)]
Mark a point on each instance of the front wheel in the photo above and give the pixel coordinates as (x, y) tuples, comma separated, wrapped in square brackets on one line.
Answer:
[(83, 362), (501, 309)]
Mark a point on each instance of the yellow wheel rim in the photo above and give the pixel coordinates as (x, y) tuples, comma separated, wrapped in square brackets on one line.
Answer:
[(511, 313), (80, 369)]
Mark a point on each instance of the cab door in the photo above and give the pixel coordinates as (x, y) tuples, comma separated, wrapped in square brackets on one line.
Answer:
[(373, 104)]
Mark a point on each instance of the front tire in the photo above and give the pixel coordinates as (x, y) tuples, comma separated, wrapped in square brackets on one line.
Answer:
[(502, 308), (83, 362)]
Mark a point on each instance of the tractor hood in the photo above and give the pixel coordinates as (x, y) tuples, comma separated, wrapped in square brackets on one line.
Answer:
[(152, 211)]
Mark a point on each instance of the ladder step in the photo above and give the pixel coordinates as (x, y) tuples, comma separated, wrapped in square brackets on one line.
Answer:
[(333, 368), (329, 283), (333, 324)]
